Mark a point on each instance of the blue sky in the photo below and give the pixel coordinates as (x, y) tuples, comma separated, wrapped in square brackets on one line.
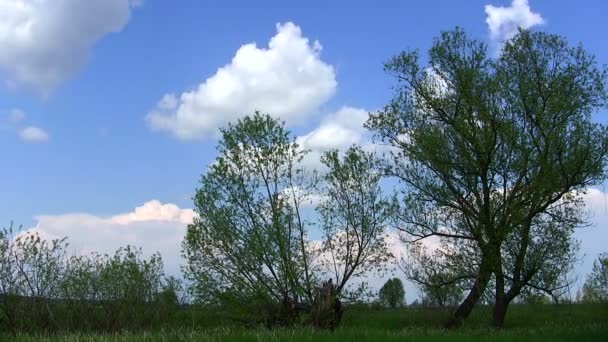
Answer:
[(81, 80)]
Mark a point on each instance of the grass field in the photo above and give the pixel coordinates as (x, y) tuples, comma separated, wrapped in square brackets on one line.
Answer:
[(524, 323)]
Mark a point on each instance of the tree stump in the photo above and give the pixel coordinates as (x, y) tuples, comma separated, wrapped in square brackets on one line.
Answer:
[(326, 311)]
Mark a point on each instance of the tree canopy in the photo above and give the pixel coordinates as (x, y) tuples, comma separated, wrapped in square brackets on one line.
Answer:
[(495, 153), (392, 293)]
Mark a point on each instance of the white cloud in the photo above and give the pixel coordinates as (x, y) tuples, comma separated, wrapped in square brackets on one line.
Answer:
[(288, 79), (155, 211), (154, 226), (503, 22), (45, 42), (34, 134), (338, 130)]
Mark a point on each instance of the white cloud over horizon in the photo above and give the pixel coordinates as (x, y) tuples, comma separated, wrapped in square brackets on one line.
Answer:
[(34, 134), (153, 226), (45, 42), (287, 79), (503, 22)]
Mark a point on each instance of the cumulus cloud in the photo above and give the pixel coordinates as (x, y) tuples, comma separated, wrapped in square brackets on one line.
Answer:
[(287, 79), (337, 130), (154, 226), (503, 22), (34, 134), (45, 42)]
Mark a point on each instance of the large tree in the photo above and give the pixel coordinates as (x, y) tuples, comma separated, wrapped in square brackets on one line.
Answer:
[(249, 242), (497, 152)]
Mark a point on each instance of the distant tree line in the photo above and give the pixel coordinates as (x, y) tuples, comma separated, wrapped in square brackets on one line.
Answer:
[(43, 289)]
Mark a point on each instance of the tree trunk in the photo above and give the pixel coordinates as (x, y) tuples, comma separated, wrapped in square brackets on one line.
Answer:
[(501, 298), (465, 308), (500, 302), (326, 310), (499, 313)]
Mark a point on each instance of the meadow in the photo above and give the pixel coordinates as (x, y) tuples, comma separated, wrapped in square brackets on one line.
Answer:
[(564, 322)]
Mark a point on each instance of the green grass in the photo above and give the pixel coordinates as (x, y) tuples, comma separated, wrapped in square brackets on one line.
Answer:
[(524, 323)]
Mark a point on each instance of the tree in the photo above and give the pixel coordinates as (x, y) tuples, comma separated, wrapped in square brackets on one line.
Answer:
[(30, 272), (497, 153), (595, 289), (44, 289), (249, 242), (392, 293), (353, 215)]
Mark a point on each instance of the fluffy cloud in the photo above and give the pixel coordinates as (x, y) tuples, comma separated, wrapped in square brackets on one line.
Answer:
[(503, 22), (287, 79), (337, 130), (154, 226), (45, 42), (34, 134)]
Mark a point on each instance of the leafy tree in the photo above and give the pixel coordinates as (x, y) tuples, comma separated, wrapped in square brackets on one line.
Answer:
[(595, 288), (44, 289), (249, 242), (353, 215), (392, 293), (31, 270), (497, 152)]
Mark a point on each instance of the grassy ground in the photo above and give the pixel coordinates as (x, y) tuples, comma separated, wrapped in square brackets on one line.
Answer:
[(524, 323)]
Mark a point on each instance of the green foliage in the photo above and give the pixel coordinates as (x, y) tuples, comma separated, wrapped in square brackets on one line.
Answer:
[(595, 288), (249, 249), (494, 156), (44, 289), (392, 293), (249, 243), (353, 215)]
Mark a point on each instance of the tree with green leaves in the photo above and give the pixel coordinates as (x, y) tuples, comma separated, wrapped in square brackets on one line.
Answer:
[(497, 152), (44, 289), (249, 243), (392, 293), (353, 215), (595, 289)]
